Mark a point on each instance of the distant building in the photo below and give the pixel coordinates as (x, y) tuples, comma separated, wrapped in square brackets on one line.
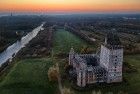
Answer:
[(96, 68)]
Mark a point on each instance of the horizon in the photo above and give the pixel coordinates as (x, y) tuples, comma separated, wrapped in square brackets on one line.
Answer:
[(71, 6), (65, 13)]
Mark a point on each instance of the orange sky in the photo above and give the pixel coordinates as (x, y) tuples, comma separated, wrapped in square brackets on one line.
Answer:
[(71, 5)]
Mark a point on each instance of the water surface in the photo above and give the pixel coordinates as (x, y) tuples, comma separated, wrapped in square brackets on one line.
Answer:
[(11, 51)]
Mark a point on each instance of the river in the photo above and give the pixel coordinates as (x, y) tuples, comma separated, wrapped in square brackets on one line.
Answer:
[(12, 50)]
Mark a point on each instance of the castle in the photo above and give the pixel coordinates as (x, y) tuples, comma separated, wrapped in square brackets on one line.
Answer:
[(97, 68)]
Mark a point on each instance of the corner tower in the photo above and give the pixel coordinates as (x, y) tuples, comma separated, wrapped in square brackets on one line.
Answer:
[(71, 56), (111, 58)]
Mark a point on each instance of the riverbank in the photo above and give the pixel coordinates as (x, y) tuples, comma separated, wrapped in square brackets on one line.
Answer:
[(10, 53), (40, 46), (12, 28)]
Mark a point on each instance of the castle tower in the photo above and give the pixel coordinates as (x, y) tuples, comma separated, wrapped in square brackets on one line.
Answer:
[(71, 56), (81, 72), (111, 58), (81, 78)]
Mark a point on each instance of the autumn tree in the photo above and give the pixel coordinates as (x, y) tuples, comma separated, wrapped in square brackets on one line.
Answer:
[(53, 73)]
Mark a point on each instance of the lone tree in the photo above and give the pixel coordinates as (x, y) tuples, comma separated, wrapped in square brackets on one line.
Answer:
[(53, 73)]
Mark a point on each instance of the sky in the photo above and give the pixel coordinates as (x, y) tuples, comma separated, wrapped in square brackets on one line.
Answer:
[(70, 5)]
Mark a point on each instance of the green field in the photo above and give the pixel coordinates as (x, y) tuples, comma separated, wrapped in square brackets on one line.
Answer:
[(64, 40), (29, 76), (133, 78)]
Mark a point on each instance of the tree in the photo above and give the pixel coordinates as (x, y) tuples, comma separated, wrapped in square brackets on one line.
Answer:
[(53, 73)]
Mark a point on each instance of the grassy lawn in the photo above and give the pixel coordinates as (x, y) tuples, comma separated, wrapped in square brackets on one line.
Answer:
[(133, 78), (28, 77), (64, 40)]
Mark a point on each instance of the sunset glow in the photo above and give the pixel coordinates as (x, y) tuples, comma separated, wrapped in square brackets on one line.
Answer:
[(70, 5)]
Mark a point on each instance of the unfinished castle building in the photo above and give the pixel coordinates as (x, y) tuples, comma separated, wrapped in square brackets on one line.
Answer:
[(97, 68)]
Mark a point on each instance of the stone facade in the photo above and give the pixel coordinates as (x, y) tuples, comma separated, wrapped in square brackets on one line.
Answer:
[(96, 68)]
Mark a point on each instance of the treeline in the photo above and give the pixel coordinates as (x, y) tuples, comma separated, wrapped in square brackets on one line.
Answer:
[(80, 34), (13, 28), (19, 22), (40, 46)]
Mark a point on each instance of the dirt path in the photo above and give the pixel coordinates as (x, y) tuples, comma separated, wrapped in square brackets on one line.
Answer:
[(59, 80)]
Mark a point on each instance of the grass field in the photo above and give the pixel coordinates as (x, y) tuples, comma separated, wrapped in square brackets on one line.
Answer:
[(29, 76), (64, 40), (133, 78)]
